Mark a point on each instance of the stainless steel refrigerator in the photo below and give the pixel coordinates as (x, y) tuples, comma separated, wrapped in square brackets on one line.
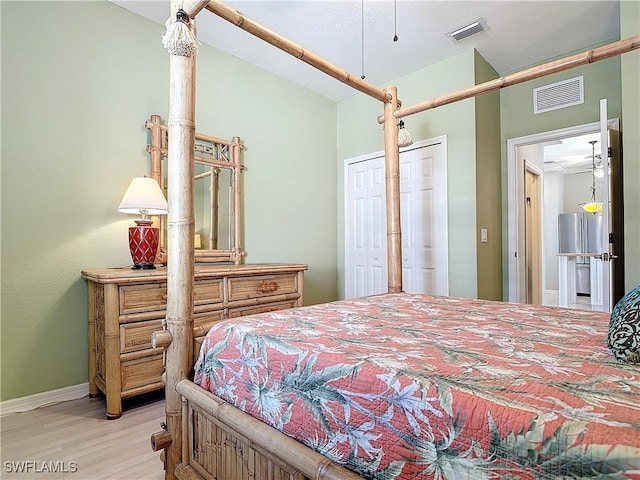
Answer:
[(580, 233)]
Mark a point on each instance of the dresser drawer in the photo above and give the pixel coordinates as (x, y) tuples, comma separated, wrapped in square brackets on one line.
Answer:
[(197, 344), (262, 308), (202, 322), (142, 298), (137, 335), (261, 286), (141, 373), (208, 290)]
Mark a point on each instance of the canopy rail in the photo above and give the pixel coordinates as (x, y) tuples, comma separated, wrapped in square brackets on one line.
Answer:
[(584, 58), (292, 48)]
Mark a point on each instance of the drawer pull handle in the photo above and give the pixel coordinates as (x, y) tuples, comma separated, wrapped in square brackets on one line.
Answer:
[(267, 287)]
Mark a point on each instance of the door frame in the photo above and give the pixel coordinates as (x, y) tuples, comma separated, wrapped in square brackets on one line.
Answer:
[(515, 190), (440, 217)]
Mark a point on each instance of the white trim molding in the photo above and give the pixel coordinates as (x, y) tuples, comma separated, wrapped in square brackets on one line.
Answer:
[(31, 402)]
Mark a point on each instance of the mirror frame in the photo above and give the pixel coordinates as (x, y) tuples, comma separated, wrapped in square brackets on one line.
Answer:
[(231, 160)]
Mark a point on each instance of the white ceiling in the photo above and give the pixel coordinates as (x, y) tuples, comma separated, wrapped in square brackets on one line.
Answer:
[(572, 155), (520, 34)]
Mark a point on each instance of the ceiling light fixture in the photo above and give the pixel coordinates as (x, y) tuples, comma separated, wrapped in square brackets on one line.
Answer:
[(592, 206), (395, 20), (598, 172)]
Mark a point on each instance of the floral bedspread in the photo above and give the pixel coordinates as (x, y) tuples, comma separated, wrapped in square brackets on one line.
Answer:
[(401, 386)]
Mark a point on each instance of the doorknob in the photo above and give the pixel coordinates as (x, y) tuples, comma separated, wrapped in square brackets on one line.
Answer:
[(605, 256)]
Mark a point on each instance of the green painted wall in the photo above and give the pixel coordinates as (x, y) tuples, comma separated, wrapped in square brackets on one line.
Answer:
[(79, 79), (488, 213), (359, 134), (630, 62), (601, 80)]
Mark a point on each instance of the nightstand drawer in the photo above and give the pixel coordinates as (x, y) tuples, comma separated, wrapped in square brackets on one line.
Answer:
[(137, 335), (141, 373), (262, 308), (261, 286), (142, 298)]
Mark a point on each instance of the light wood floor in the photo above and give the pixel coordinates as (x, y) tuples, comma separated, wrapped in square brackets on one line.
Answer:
[(76, 435)]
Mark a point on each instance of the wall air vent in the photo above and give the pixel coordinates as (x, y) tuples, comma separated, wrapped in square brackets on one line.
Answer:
[(477, 26), (558, 95)]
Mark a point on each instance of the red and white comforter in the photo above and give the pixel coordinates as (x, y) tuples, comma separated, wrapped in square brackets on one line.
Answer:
[(402, 386)]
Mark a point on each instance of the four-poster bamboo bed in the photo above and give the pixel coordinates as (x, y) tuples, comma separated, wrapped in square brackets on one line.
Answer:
[(207, 437)]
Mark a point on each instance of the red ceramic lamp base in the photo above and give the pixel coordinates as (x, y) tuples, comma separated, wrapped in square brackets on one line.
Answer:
[(143, 244)]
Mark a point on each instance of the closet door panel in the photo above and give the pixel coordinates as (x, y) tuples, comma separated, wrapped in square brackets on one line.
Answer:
[(377, 260)]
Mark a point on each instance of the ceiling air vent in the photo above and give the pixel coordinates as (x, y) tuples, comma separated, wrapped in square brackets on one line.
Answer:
[(558, 95), (477, 26)]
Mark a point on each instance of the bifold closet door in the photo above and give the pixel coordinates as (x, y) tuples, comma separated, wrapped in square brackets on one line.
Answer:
[(366, 229), (417, 220), (423, 212)]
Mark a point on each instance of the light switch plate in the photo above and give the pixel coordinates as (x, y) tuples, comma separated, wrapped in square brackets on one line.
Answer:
[(484, 235)]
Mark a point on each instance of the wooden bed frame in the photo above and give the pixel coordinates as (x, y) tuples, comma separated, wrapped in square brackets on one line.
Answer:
[(203, 436)]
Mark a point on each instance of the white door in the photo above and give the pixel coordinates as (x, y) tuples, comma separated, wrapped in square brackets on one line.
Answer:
[(366, 269), (423, 220), (423, 215), (603, 264)]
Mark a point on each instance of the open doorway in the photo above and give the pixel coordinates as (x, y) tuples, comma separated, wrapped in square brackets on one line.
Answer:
[(573, 168), (566, 179)]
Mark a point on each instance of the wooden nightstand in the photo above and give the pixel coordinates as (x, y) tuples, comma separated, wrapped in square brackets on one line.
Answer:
[(126, 306)]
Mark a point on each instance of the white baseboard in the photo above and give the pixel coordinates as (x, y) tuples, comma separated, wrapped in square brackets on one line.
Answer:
[(24, 404)]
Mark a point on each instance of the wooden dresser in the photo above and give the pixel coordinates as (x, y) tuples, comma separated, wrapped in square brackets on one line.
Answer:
[(126, 306)]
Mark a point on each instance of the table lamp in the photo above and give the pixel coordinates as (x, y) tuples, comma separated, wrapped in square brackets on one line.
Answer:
[(143, 197)]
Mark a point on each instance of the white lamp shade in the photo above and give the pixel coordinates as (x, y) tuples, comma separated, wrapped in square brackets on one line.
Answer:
[(144, 196)]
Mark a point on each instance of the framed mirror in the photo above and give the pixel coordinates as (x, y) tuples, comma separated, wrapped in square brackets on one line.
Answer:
[(217, 194)]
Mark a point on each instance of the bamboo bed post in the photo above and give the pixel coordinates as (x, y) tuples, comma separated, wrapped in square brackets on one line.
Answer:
[(392, 185), (236, 160), (180, 232)]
